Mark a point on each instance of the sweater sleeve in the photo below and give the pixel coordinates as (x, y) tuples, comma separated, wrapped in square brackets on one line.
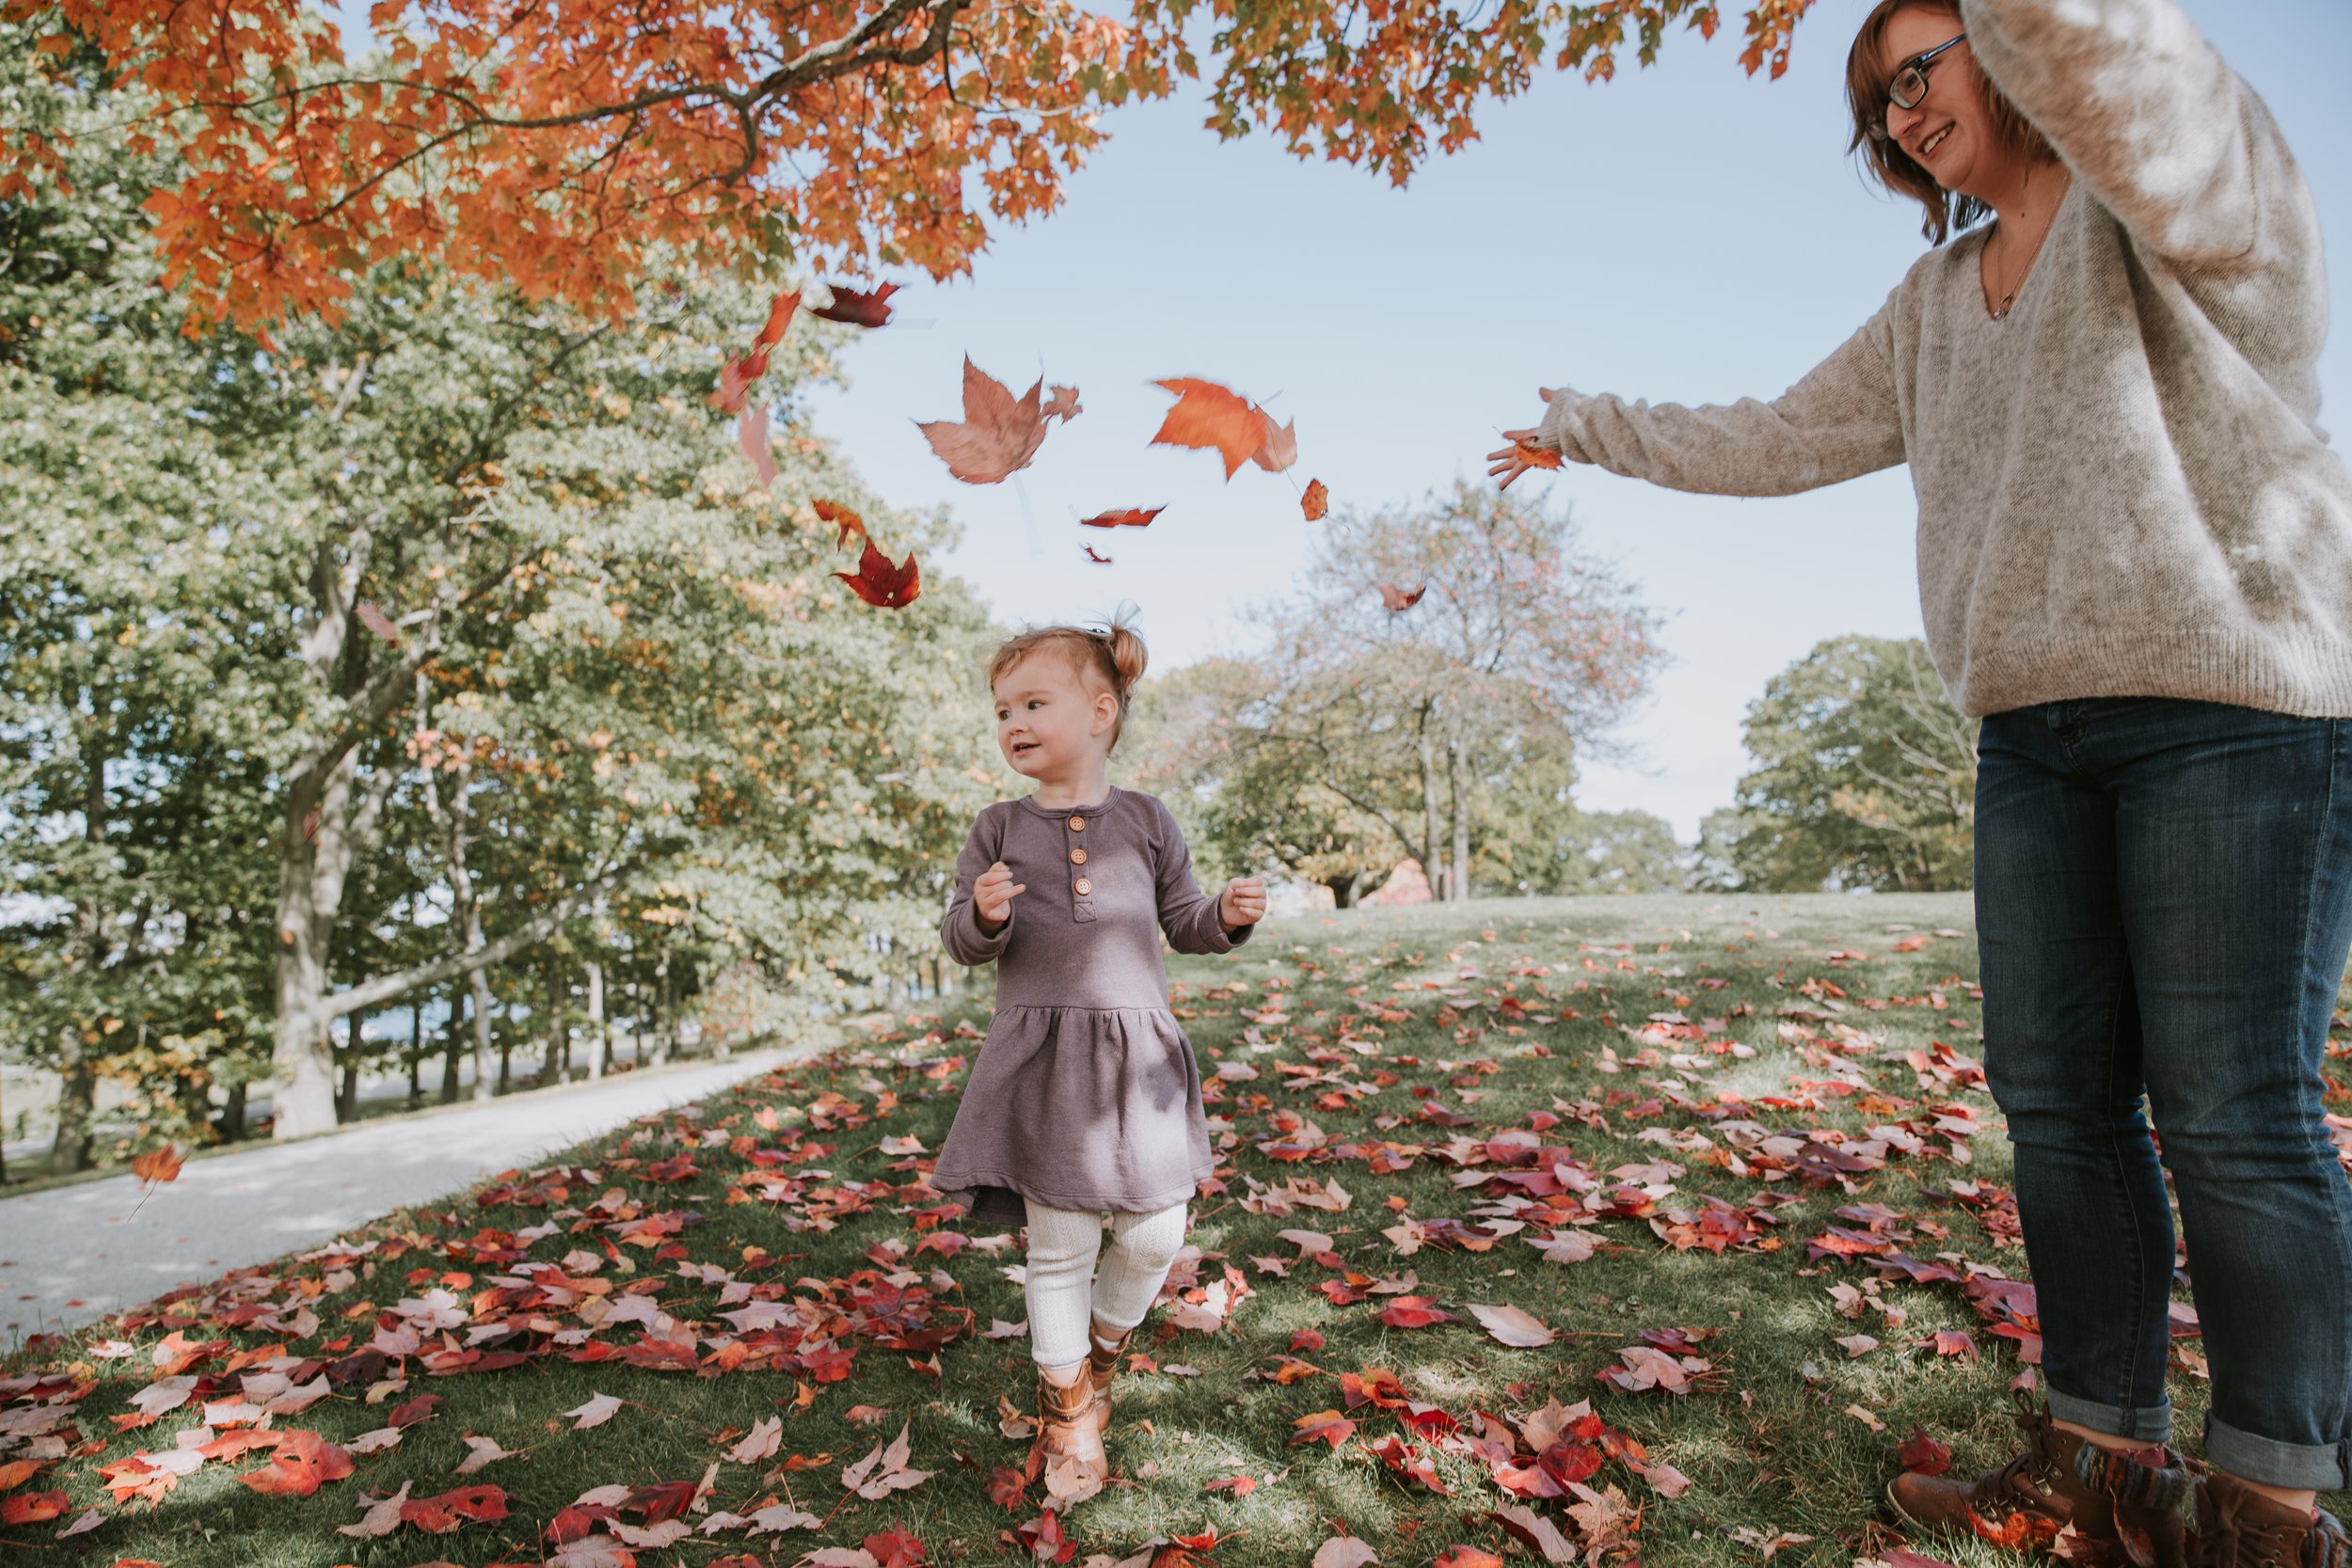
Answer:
[(1188, 916), (2144, 111), (959, 931), (1840, 421)]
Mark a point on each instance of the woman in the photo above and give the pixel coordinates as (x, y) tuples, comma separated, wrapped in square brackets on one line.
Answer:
[(2136, 564)]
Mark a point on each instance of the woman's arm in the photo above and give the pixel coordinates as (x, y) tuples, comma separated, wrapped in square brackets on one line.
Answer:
[(959, 931), (1187, 915), (1838, 421), (2145, 110)]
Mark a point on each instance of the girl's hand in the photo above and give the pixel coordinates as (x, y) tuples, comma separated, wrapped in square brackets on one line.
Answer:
[(1242, 903), (992, 895), (1504, 463)]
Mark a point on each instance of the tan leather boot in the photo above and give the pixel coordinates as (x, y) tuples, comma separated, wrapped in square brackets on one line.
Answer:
[(2239, 1528), (2060, 1479), (1069, 1447), (1104, 1347)]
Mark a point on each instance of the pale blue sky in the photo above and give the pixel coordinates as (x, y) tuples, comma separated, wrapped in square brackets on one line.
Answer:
[(1683, 232)]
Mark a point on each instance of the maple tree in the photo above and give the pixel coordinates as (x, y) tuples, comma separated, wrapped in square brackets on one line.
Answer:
[(568, 151)]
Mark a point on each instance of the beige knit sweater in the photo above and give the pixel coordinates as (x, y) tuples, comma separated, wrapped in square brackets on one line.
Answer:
[(2121, 489)]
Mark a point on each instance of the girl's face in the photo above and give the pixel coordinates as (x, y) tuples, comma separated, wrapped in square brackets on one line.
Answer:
[(1051, 724), (1951, 134)]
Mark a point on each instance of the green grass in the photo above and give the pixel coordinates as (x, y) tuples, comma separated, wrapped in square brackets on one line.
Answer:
[(1768, 1442)]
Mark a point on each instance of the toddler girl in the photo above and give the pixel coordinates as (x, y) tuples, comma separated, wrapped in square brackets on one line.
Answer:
[(1086, 1097)]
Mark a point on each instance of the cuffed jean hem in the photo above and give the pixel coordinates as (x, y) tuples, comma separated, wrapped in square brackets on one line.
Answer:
[(2322, 1466), (2148, 1424)]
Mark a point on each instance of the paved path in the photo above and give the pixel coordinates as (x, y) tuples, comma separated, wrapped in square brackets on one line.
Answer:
[(74, 1254)]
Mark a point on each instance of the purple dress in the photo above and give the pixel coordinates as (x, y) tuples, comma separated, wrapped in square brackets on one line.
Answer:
[(1085, 1096)]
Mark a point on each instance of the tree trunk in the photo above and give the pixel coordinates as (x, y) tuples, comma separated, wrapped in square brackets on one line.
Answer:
[(416, 1048), (232, 1114), (347, 1092), (485, 1087), (665, 1021), (1432, 859), (77, 1097), (452, 1045), (600, 1027), (556, 1064), (1457, 869), (1342, 890), (318, 839)]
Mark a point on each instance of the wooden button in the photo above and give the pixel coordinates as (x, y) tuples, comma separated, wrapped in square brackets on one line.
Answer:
[(1078, 857), (1083, 886), (1077, 824)]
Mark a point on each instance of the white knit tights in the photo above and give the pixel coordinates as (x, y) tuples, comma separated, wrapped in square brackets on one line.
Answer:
[(1065, 1289)]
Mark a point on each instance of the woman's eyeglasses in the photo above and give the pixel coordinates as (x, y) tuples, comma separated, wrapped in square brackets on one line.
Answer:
[(1909, 88)]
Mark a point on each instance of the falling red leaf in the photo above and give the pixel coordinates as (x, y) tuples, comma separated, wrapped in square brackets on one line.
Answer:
[(1062, 403), (1398, 600), (1923, 1455), (736, 375), (857, 307), (1315, 502), (1098, 559), (881, 584), (1133, 517), (1278, 447), (750, 433), (157, 1165), (998, 434), (1208, 415), (377, 622), (851, 523), (301, 1463), (1535, 457)]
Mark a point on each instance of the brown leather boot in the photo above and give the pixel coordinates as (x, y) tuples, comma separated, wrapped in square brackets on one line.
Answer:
[(1069, 1447), (2060, 1479), (2239, 1528), (1105, 1346)]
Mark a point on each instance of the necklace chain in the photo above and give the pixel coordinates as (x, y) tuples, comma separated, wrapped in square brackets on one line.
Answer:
[(2000, 310)]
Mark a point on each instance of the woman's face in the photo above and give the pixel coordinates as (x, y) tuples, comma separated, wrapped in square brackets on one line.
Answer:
[(1951, 134)]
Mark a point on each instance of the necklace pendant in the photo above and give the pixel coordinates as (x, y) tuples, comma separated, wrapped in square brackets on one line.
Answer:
[(2002, 314)]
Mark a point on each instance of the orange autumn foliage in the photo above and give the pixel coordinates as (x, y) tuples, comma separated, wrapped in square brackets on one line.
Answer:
[(571, 150)]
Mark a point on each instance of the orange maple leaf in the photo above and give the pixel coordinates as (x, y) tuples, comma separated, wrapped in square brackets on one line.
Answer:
[(1535, 457), (1399, 600), (1133, 517), (1278, 448), (157, 1165), (1209, 415), (1062, 403), (1315, 502), (881, 584), (833, 512), (998, 434), (750, 433), (1098, 559)]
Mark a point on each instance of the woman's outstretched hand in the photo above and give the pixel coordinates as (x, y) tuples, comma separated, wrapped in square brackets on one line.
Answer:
[(1506, 463)]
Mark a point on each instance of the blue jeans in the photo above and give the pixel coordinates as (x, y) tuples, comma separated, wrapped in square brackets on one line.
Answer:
[(2164, 902)]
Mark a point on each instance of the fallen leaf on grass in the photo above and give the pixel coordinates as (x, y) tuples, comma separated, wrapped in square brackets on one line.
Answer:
[(1532, 1531), (1923, 1455), (1414, 1313), (598, 1411), (1510, 1326), (32, 1507), (1466, 1557), (301, 1463), (481, 1451), (1344, 1551), (998, 434), (885, 1470), (761, 1442), (1323, 1426)]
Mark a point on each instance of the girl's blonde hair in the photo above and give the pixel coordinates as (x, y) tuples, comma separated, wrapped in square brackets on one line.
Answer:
[(1115, 656), (1867, 76)]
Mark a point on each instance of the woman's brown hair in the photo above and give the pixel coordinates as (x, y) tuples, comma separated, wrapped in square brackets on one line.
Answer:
[(1115, 656), (1867, 77)]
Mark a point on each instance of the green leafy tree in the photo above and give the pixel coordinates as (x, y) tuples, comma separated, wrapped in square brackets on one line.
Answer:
[(1865, 775)]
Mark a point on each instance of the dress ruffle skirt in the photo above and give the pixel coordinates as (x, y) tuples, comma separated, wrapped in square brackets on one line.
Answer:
[(1079, 1108)]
